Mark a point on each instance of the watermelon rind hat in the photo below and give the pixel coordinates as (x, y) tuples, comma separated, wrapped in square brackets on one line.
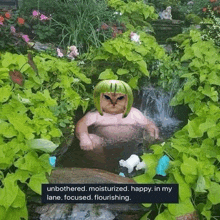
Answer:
[(113, 86)]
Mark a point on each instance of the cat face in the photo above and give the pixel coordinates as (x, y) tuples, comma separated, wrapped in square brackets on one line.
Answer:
[(113, 103)]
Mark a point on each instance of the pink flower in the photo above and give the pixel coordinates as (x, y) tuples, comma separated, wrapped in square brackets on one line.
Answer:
[(1, 23), (43, 17), (25, 38), (13, 29), (72, 52), (59, 54), (135, 37), (35, 13)]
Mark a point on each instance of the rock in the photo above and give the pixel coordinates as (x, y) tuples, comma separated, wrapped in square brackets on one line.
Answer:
[(85, 175)]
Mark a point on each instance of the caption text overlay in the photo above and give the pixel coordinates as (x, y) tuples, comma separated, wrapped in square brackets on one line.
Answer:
[(110, 193)]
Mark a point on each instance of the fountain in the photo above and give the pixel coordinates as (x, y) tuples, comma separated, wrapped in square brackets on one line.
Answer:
[(75, 168)]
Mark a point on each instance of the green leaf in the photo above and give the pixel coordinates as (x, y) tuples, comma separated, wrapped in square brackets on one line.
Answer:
[(133, 82), (213, 78), (22, 175), (143, 67), (42, 144), (165, 215), (2, 211), (36, 181), (158, 149), (200, 185), (107, 74), (5, 93), (214, 131), (84, 103), (8, 193), (193, 130), (81, 76), (122, 71), (183, 208), (17, 213), (30, 162), (214, 192), (19, 201), (189, 166), (55, 132), (19, 121), (184, 189), (210, 92), (7, 130), (217, 176), (189, 54)]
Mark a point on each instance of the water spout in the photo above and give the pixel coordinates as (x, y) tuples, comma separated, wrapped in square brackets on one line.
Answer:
[(155, 105)]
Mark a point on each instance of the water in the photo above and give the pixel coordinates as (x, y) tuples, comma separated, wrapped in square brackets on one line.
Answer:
[(155, 106)]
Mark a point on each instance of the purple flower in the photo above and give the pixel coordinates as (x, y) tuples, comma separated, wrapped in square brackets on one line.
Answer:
[(35, 13), (43, 17), (25, 38)]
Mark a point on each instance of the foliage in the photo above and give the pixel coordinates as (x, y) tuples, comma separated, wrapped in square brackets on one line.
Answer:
[(212, 31), (11, 32), (123, 58), (126, 60), (74, 22), (167, 72), (32, 115), (195, 149), (199, 7), (135, 15)]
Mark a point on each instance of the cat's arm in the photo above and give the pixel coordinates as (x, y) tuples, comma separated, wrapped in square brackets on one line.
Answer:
[(149, 125), (82, 130)]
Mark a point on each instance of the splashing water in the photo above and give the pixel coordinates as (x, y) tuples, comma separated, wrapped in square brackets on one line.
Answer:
[(155, 105)]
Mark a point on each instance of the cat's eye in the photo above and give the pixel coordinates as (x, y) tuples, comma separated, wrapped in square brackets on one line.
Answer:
[(107, 97), (120, 98)]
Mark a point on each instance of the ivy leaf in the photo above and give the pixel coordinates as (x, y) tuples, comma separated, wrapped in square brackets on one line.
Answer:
[(143, 67), (5, 92), (108, 74), (184, 207), (42, 144), (19, 201), (214, 192), (184, 189), (214, 131), (189, 54), (2, 211), (17, 213), (200, 185), (133, 82), (158, 149), (207, 125), (193, 130), (189, 166), (30, 162), (165, 215), (214, 79), (8, 193), (84, 103), (122, 71), (210, 92), (36, 181), (7, 130)]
